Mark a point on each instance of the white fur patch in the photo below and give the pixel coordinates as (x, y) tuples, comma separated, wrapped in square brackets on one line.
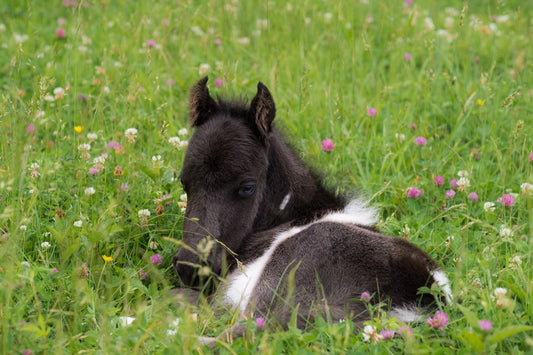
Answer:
[(407, 313), (444, 283), (356, 212), (242, 282), (285, 201)]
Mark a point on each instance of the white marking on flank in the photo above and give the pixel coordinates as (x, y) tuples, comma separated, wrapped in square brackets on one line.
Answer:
[(356, 212), (241, 283), (285, 201), (442, 281)]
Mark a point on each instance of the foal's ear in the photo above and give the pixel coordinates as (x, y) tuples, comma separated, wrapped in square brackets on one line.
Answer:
[(201, 103), (263, 110)]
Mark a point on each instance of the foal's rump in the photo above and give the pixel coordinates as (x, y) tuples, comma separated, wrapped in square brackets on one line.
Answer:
[(325, 267)]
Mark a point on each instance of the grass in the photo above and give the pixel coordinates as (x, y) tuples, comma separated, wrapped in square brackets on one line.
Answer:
[(460, 77)]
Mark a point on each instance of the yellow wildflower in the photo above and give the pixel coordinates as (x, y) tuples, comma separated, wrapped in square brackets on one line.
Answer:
[(480, 102), (78, 129), (107, 258)]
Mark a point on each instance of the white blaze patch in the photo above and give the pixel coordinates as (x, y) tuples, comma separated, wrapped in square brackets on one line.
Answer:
[(285, 201)]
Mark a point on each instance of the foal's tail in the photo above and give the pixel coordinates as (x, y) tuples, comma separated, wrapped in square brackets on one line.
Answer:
[(440, 278)]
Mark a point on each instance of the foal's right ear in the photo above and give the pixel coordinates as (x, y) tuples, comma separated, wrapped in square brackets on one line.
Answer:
[(201, 103)]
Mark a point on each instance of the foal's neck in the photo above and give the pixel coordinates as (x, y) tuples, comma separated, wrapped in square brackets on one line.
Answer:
[(293, 192)]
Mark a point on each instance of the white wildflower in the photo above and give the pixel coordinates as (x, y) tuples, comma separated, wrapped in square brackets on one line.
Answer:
[(175, 141), (261, 23), (92, 137), (463, 183), (131, 134), (328, 16), (45, 245), (400, 137), (84, 147), (78, 224), (505, 232), (515, 262), (90, 191), (489, 206), (183, 132), (204, 69), (144, 213), (462, 173), (370, 334), (23, 227), (428, 24), (527, 189), (244, 41), (153, 245), (59, 93)]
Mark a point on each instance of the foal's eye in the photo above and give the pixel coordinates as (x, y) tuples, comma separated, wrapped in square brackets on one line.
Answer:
[(247, 189)]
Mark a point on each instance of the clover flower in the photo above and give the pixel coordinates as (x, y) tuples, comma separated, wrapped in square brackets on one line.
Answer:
[(370, 334), (506, 200), (156, 259), (131, 134), (414, 192), (473, 197), (365, 296), (372, 112), (260, 323), (387, 334), (328, 145), (489, 206), (449, 194), (485, 325), (440, 320), (204, 69), (89, 191), (438, 180), (421, 141)]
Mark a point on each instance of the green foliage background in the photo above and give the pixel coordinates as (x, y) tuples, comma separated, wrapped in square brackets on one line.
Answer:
[(456, 73)]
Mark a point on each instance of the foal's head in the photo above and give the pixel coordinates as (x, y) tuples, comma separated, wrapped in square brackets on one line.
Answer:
[(224, 175)]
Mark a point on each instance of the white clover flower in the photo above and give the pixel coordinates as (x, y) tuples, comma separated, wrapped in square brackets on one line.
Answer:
[(500, 292), (463, 183), (400, 137), (153, 245), (49, 98), (244, 41), (45, 245), (90, 191), (131, 134), (92, 136), (183, 197), (370, 334), (23, 227), (183, 132), (25, 264), (78, 223), (527, 189), (505, 231), (328, 16), (261, 23), (19, 39), (144, 213), (59, 93), (175, 141), (183, 144), (84, 147), (428, 24), (462, 173), (489, 206), (515, 262), (2, 27), (204, 69)]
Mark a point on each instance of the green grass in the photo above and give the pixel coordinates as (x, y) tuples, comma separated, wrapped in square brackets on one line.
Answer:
[(471, 97)]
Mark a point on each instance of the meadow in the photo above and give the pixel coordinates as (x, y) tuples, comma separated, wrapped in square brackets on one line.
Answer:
[(427, 106)]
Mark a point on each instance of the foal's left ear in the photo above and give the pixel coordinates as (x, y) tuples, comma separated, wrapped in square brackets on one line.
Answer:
[(263, 110)]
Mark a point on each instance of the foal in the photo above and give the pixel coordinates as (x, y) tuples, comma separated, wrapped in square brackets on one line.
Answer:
[(300, 248)]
